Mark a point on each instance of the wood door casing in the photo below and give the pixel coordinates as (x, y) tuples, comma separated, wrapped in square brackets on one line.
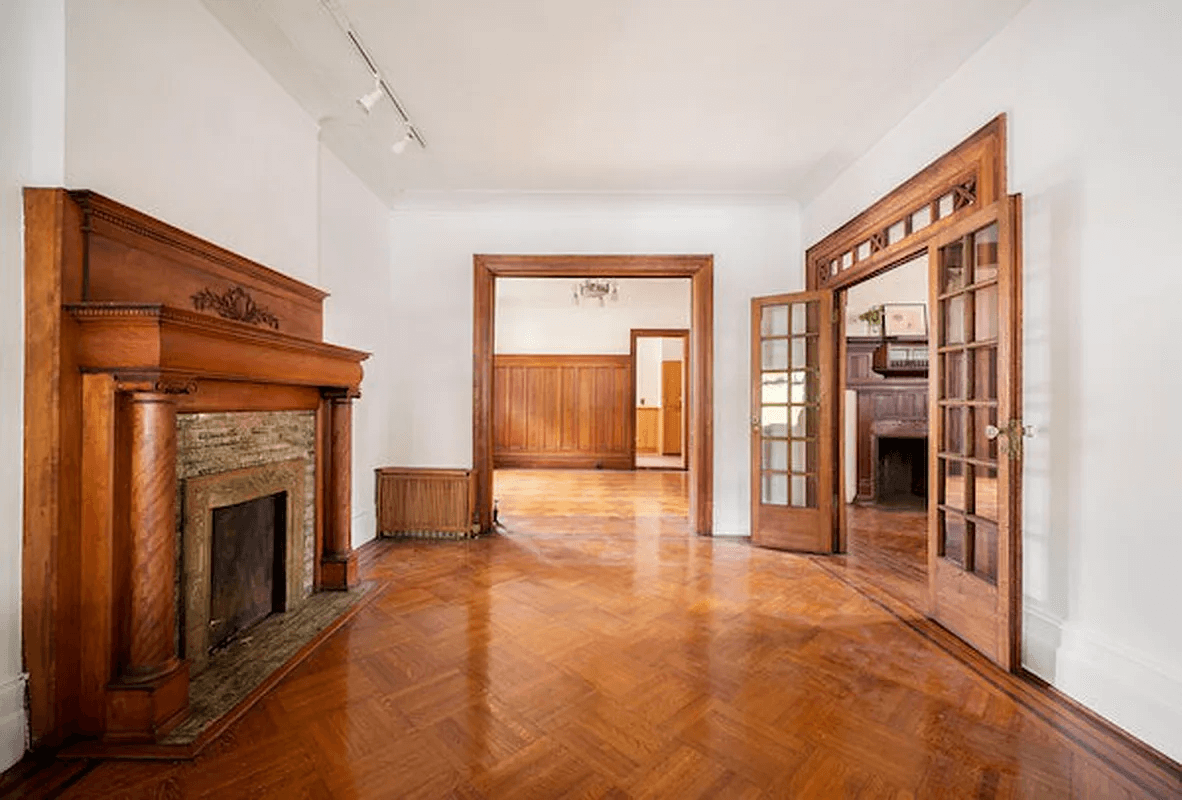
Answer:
[(975, 474), (792, 417), (671, 408), (699, 269)]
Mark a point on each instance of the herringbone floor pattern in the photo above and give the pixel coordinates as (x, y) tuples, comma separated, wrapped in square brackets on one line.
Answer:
[(596, 649)]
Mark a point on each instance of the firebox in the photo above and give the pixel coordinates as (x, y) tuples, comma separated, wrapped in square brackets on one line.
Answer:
[(247, 565), (244, 547), (902, 471)]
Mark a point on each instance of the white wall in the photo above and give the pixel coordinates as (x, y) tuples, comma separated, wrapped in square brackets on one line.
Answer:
[(756, 248), (537, 315), (906, 283), (648, 372), (1091, 89), (355, 267), (168, 114), (32, 113)]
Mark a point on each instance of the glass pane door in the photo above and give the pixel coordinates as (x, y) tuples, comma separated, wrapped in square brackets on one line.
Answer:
[(967, 467), (789, 333), (973, 584)]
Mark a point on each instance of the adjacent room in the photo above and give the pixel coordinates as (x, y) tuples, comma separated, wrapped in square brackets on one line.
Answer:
[(884, 454), (584, 392)]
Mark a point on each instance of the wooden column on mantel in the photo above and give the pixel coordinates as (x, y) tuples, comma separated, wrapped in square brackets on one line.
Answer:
[(149, 693), (338, 565), (128, 322)]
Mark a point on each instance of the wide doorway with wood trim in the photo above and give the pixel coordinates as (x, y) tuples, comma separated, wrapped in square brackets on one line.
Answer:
[(572, 356), (955, 222)]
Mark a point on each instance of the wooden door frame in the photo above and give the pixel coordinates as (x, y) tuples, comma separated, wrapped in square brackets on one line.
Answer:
[(698, 268), (971, 176), (663, 333)]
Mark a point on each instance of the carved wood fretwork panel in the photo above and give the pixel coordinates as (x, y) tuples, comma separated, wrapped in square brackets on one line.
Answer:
[(899, 225)]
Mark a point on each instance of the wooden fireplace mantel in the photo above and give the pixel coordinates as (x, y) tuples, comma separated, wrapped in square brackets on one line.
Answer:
[(142, 337), (128, 322)]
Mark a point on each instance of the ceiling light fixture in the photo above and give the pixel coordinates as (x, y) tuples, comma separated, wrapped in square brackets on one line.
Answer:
[(381, 86), (370, 99), (596, 289), (399, 147)]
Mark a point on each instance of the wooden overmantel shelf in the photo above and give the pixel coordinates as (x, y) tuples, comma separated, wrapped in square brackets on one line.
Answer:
[(155, 338)]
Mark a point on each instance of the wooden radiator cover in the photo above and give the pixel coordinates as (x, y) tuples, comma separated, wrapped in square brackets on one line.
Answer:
[(424, 501)]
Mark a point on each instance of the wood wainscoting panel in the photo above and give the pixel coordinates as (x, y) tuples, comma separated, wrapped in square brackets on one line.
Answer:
[(424, 501), (648, 429), (562, 411)]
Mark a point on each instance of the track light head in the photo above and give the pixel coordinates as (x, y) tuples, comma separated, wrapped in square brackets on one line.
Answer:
[(399, 147), (370, 99)]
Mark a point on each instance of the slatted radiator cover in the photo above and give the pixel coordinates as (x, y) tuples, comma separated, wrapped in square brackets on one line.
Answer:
[(425, 502)]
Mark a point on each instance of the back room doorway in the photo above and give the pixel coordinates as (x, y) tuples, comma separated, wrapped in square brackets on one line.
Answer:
[(884, 441), (660, 372), (586, 403)]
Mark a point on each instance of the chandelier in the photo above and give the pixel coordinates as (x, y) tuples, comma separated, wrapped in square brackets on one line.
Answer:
[(601, 289)]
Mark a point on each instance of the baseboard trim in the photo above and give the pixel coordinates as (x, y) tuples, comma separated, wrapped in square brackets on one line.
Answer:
[(12, 739), (1150, 770), (622, 461), (12, 721)]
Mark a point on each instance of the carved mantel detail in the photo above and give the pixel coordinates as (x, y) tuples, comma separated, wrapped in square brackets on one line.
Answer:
[(235, 303)]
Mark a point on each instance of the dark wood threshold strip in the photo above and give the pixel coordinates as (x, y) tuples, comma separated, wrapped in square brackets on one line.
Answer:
[(1149, 769), (89, 749), (41, 774)]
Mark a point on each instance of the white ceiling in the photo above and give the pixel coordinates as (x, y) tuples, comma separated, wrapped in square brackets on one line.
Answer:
[(615, 96)]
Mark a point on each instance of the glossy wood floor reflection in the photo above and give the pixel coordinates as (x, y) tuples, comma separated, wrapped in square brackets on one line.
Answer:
[(888, 548), (596, 649)]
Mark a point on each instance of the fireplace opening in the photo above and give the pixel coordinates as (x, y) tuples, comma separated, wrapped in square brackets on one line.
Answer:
[(902, 472), (248, 559)]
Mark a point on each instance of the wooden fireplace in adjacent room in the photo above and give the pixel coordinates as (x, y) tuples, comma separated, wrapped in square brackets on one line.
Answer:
[(130, 322)]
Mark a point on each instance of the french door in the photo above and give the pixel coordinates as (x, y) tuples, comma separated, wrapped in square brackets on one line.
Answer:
[(975, 432), (792, 406)]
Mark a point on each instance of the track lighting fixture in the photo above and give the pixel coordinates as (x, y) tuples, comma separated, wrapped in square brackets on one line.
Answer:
[(381, 86), (370, 99), (399, 147)]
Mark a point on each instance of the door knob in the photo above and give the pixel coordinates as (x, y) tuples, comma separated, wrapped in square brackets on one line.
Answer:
[(992, 432)]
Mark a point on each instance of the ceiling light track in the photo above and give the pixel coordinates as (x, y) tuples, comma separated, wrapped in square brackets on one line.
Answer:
[(368, 100)]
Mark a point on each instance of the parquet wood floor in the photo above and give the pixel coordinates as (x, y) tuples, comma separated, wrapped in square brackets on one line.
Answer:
[(888, 548), (647, 461), (596, 649)]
